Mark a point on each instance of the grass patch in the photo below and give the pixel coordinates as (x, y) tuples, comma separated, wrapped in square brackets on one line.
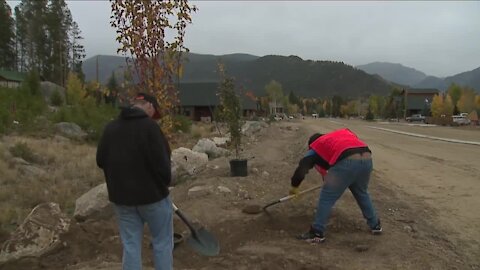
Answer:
[(71, 171)]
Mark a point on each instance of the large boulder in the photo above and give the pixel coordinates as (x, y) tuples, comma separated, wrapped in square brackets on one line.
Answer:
[(40, 233), (70, 130), (251, 127), (94, 204), (188, 161), (220, 140), (209, 147), (48, 88), (31, 171)]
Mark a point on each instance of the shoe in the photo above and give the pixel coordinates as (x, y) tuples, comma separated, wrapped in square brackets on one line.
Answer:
[(312, 236), (377, 229)]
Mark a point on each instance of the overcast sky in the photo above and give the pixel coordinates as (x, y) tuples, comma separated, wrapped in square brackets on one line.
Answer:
[(439, 38)]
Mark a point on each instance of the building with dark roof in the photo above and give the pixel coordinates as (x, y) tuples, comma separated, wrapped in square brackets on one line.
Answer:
[(11, 79), (418, 101), (199, 100)]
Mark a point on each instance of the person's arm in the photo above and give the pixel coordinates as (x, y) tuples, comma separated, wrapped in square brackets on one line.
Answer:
[(102, 150), (306, 163), (160, 155)]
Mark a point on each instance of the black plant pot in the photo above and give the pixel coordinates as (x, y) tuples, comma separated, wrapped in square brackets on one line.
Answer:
[(238, 167)]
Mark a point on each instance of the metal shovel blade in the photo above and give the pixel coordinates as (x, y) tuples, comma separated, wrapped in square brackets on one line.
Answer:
[(201, 240), (204, 242)]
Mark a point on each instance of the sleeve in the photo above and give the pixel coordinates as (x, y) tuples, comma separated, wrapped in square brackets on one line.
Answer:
[(306, 163), (159, 155), (102, 150)]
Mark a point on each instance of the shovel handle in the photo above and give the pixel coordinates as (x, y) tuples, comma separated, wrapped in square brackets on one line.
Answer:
[(184, 219), (286, 198)]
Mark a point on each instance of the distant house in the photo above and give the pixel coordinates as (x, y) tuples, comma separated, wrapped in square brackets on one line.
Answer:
[(11, 79), (199, 100), (418, 101)]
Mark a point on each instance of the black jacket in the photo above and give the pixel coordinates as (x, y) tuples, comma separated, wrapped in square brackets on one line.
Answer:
[(135, 158)]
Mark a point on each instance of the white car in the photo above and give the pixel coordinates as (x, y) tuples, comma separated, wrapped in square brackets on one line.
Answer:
[(461, 120)]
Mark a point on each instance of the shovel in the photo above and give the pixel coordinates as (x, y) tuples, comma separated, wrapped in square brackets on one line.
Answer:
[(286, 198), (201, 240), (255, 209)]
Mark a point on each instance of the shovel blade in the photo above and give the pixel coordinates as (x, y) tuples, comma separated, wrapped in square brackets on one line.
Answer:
[(203, 242)]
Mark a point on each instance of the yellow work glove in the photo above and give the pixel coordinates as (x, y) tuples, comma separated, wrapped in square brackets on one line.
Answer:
[(294, 191)]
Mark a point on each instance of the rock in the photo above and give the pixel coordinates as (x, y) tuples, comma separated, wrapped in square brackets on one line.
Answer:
[(188, 161), (174, 172), (255, 170), (244, 194), (223, 189), (215, 167), (265, 174), (18, 161), (71, 130), (199, 191), (209, 147), (94, 204), (40, 233), (31, 171), (251, 127), (408, 228), (60, 139), (48, 88), (361, 248), (220, 140)]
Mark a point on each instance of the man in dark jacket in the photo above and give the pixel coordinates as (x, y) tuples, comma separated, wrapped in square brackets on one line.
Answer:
[(135, 158), (345, 162)]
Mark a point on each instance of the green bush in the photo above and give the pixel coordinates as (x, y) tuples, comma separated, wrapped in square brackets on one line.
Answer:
[(369, 116), (21, 106), (56, 98), (22, 150), (182, 123), (90, 117)]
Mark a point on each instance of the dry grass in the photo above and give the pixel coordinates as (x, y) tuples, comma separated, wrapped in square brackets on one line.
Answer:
[(70, 171)]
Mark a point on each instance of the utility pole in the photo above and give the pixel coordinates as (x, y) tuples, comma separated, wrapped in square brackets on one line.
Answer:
[(97, 69)]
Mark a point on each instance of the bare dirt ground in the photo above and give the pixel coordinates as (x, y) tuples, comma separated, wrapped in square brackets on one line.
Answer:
[(425, 191)]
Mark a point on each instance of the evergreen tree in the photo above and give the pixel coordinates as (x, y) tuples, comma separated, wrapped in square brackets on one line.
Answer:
[(293, 99), (337, 103), (33, 13), (58, 22), (47, 39), (7, 35), (77, 51), (20, 40)]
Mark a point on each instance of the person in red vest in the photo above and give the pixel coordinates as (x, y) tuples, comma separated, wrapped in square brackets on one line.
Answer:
[(344, 161)]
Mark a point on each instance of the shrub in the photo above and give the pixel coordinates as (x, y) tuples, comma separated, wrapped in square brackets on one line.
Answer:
[(21, 106), (182, 123), (21, 150), (90, 117), (56, 98), (369, 116)]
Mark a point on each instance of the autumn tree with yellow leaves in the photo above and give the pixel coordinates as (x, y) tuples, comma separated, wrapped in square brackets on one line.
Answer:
[(142, 28)]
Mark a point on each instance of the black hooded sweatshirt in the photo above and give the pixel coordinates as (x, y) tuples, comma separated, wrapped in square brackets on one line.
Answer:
[(135, 158)]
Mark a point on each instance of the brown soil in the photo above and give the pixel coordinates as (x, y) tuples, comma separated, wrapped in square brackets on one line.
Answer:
[(426, 193)]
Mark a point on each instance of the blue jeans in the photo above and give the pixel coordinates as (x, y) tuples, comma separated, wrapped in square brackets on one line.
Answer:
[(159, 217), (347, 173)]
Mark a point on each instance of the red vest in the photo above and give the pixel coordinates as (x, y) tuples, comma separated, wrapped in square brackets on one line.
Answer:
[(331, 145)]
